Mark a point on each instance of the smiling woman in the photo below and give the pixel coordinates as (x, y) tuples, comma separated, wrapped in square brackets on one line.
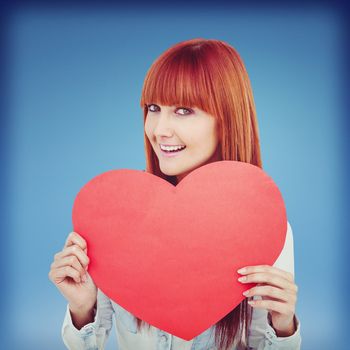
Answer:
[(198, 108), (209, 78)]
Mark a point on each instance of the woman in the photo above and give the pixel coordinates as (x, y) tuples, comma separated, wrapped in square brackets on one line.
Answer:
[(198, 108)]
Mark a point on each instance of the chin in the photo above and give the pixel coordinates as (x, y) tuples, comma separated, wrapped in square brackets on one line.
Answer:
[(170, 172), (178, 172), (176, 169)]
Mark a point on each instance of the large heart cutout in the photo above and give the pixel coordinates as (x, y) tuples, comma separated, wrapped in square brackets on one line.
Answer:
[(169, 254)]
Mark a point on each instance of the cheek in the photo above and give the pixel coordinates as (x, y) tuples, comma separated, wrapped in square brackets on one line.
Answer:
[(210, 135), (148, 129)]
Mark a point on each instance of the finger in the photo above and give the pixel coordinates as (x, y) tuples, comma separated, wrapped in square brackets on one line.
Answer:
[(267, 278), (75, 238), (76, 251), (70, 260), (268, 291), (59, 275), (272, 305), (267, 269)]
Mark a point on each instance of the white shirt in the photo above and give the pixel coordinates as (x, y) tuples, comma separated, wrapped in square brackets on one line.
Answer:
[(94, 335)]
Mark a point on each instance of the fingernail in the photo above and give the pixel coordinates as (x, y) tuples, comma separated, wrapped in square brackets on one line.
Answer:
[(246, 293), (84, 278), (242, 270), (242, 279), (251, 302)]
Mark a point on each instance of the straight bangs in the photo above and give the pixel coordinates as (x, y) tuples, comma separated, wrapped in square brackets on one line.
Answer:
[(180, 78)]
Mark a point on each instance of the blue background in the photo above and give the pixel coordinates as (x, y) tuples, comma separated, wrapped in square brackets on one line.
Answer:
[(73, 84)]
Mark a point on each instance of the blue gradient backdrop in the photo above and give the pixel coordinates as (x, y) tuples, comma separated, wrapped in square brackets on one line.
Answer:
[(74, 78)]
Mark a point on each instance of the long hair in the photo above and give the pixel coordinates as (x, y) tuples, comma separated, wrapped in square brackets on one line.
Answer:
[(210, 75)]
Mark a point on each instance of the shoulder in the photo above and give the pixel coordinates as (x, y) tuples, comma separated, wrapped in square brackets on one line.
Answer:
[(285, 261)]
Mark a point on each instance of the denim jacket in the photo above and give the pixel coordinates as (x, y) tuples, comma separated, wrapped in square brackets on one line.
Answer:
[(93, 336)]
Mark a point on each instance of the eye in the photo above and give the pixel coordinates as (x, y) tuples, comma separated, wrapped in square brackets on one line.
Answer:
[(187, 110), (152, 108)]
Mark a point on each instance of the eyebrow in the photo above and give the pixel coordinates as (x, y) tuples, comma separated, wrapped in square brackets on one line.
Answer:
[(173, 106)]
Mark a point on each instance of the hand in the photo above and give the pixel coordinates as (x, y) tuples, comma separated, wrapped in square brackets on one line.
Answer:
[(278, 292), (69, 274)]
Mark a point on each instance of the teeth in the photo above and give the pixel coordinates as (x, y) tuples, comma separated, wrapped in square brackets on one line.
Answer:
[(171, 148)]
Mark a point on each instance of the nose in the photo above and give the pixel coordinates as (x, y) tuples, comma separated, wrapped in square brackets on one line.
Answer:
[(163, 127)]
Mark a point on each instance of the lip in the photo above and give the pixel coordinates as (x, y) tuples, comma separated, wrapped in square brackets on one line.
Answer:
[(170, 155)]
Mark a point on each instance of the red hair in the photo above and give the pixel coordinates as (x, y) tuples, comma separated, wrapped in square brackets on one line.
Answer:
[(210, 75)]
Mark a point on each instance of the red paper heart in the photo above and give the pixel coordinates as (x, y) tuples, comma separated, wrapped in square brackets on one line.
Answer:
[(169, 254)]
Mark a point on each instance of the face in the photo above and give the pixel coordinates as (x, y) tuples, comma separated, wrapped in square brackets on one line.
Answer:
[(183, 138)]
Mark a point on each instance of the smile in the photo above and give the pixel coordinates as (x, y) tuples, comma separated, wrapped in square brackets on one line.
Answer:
[(171, 151), (171, 147)]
